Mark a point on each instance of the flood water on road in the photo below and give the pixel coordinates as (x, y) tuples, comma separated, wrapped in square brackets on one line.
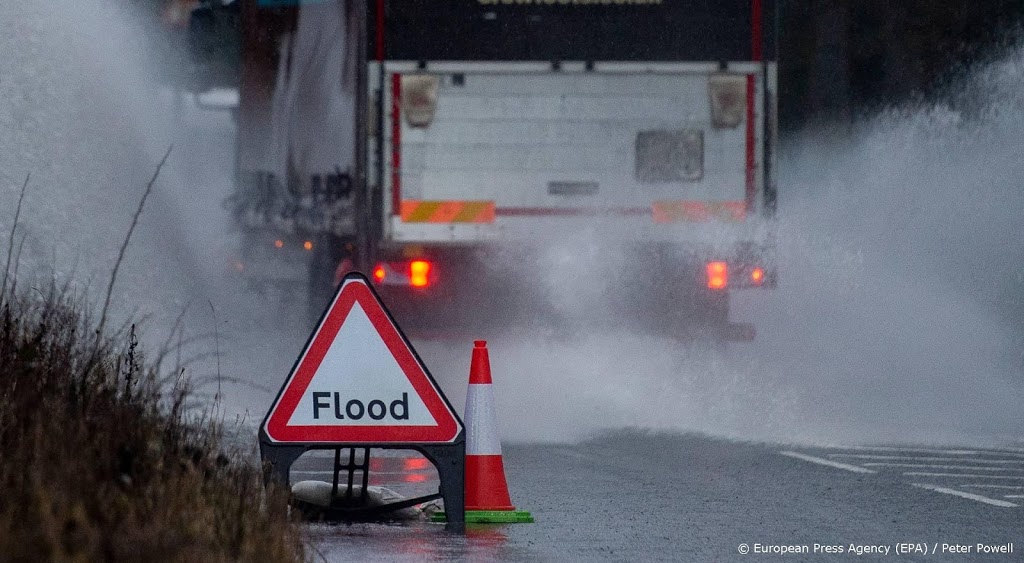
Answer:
[(896, 321)]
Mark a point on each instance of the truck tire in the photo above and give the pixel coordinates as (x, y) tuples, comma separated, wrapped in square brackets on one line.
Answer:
[(692, 314)]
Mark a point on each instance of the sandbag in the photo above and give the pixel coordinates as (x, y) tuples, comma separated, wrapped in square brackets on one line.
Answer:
[(312, 494)]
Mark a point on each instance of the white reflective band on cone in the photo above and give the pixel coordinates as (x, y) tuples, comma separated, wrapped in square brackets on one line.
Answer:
[(481, 422)]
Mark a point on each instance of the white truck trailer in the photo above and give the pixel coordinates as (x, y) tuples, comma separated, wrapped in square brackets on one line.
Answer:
[(474, 155)]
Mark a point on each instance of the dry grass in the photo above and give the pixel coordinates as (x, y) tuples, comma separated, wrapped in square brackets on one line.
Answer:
[(98, 462)]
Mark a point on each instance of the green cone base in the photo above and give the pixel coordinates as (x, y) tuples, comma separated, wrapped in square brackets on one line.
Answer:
[(490, 517)]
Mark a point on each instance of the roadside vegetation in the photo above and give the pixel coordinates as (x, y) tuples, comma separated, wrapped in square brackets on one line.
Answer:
[(104, 458)]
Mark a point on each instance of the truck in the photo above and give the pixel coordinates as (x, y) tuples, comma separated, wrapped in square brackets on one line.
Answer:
[(577, 164)]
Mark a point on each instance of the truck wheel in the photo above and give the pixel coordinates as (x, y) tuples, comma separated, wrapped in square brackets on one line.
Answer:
[(701, 318)]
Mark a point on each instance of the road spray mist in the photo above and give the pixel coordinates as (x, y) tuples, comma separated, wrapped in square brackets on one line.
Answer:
[(897, 315)]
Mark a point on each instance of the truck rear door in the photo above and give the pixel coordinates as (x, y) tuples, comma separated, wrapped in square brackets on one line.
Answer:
[(482, 150)]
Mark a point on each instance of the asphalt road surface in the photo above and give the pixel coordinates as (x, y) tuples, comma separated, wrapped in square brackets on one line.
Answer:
[(849, 335), (635, 496)]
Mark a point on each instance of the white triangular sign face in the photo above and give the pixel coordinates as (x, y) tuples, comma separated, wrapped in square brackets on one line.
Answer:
[(383, 391), (359, 381)]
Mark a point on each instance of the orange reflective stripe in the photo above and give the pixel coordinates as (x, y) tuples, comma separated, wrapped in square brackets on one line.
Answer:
[(698, 211), (734, 210), (476, 212), (413, 211), (446, 211), (417, 212)]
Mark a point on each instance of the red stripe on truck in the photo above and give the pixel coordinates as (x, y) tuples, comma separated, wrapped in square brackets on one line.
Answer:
[(570, 211), (396, 143)]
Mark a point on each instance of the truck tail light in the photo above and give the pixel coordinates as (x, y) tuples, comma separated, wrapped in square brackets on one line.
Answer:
[(419, 273), (718, 275), (757, 276)]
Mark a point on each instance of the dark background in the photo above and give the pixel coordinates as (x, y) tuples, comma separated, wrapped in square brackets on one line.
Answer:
[(837, 59), (841, 59), (675, 30)]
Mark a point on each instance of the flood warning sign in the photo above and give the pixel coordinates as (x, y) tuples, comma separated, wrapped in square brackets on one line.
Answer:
[(359, 381)]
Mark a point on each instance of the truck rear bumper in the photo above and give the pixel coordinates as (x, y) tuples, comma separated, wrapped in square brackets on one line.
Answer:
[(650, 289)]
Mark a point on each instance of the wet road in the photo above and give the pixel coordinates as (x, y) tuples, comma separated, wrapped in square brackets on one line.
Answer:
[(90, 136), (633, 496)]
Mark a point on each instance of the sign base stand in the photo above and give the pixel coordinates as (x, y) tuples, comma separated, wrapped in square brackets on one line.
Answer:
[(447, 459), (358, 354)]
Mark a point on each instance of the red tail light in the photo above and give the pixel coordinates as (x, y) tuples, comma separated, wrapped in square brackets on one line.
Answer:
[(379, 273), (757, 276), (419, 273), (718, 275)]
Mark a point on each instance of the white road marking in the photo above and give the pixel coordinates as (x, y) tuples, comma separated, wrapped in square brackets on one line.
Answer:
[(971, 496), (911, 450), (933, 466), (967, 476), (930, 450), (904, 458), (828, 462), (927, 458)]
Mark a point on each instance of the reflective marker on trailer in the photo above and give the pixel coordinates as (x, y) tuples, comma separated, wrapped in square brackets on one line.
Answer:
[(278, 243), (718, 275), (419, 272), (308, 245)]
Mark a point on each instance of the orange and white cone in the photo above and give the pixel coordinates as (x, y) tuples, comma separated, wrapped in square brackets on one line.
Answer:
[(487, 498)]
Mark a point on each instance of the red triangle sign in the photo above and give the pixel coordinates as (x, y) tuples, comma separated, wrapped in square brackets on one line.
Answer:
[(359, 381)]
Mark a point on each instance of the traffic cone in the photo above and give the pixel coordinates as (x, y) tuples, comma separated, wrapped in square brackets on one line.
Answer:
[(487, 498)]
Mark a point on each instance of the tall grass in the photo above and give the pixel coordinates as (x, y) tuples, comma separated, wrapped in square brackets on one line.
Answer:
[(101, 456), (96, 463)]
